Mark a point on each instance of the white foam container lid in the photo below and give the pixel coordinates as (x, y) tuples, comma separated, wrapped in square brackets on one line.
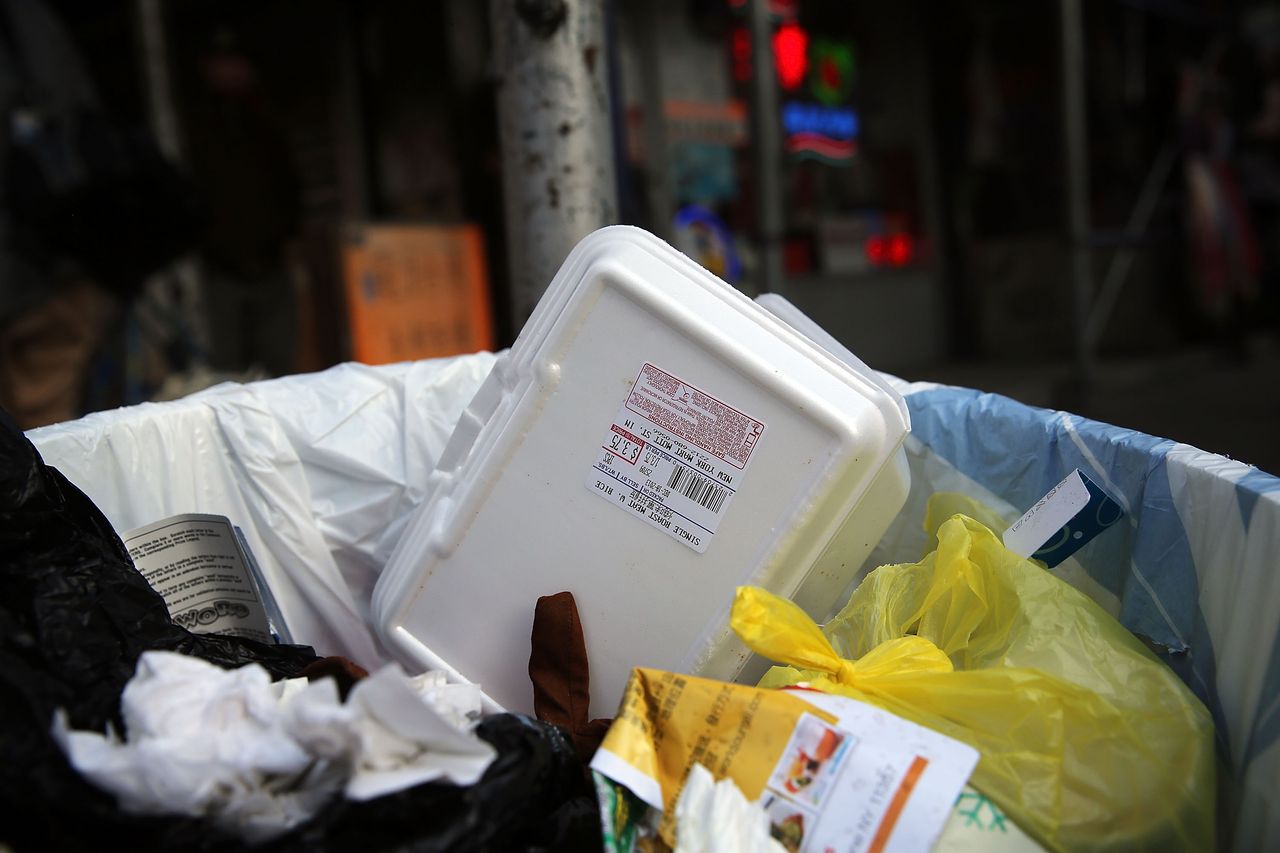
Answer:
[(652, 440)]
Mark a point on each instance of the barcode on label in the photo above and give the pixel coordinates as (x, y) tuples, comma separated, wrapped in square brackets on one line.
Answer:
[(697, 489)]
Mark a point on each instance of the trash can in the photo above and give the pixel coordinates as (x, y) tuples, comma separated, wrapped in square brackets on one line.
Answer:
[(322, 472)]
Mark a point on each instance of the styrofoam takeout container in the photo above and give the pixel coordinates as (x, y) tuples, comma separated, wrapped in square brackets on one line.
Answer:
[(653, 440)]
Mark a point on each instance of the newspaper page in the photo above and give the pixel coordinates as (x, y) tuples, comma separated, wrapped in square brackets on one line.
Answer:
[(196, 564)]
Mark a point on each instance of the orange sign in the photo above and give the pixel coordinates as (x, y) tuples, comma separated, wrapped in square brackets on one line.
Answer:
[(416, 291)]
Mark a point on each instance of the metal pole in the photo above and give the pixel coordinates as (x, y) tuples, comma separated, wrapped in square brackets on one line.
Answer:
[(157, 79), (1076, 136), (1122, 262), (554, 125), (355, 189), (767, 149), (657, 172)]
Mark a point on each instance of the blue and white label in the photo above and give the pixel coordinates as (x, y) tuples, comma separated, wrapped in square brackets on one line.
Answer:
[(1063, 521)]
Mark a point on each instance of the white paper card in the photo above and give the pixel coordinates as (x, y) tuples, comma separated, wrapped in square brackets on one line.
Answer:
[(873, 781), (1048, 516)]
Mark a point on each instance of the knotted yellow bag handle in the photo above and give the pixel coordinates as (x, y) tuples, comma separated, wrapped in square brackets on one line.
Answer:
[(781, 631)]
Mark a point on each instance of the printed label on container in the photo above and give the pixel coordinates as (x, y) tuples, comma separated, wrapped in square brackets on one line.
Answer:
[(674, 457)]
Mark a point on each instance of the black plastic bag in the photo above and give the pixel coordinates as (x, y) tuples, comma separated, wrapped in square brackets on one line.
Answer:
[(74, 617), (535, 796)]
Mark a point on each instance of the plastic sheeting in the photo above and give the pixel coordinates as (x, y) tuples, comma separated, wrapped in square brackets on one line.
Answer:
[(1087, 740), (323, 470)]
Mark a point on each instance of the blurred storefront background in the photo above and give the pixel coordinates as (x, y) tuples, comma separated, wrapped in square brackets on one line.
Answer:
[(1056, 193)]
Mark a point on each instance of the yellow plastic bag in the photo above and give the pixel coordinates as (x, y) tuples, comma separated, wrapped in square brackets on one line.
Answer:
[(1087, 739)]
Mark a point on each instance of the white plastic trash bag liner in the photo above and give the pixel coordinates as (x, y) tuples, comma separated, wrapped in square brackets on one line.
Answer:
[(320, 471)]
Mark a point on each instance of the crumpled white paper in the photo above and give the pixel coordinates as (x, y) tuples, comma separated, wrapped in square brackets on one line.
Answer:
[(716, 817), (259, 758)]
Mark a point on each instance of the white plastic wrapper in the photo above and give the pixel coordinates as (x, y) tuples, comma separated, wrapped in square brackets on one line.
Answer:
[(716, 817), (259, 758)]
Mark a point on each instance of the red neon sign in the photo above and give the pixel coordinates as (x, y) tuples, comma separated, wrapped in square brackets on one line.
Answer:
[(900, 250), (740, 49), (894, 250), (791, 55)]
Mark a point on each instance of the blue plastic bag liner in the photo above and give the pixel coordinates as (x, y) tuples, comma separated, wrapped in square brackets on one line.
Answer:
[(1192, 565)]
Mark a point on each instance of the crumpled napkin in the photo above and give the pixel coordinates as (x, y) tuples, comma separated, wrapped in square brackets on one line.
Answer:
[(259, 758), (716, 817)]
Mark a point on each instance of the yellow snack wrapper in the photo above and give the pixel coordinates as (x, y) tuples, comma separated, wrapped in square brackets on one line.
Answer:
[(827, 769)]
